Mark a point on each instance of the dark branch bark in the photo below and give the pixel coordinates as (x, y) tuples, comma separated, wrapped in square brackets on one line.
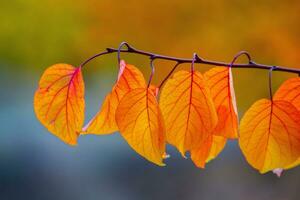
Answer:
[(198, 60)]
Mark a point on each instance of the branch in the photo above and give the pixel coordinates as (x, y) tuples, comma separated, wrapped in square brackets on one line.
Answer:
[(153, 56)]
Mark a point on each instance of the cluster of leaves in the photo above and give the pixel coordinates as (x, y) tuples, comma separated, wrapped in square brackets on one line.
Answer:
[(193, 112)]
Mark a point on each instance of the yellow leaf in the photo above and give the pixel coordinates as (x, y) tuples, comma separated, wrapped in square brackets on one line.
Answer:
[(216, 148), (141, 124), (154, 89), (188, 110), (104, 122), (209, 150), (270, 135), (219, 80), (290, 91), (59, 101)]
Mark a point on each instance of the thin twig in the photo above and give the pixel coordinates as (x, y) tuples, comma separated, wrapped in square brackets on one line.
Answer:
[(270, 81), (240, 54), (119, 50), (199, 60), (169, 74)]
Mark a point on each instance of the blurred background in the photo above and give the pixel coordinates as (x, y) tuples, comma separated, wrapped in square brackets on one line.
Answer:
[(36, 34)]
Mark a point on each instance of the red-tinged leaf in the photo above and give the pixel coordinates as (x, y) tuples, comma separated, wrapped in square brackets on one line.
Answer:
[(270, 135), (141, 124), (290, 91), (59, 101), (188, 110), (219, 80), (104, 122), (200, 155), (154, 89), (209, 150)]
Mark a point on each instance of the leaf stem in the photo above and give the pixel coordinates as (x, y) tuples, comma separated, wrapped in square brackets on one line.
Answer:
[(119, 50), (240, 54), (152, 70), (168, 76), (270, 81), (193, 62), (93, 57)]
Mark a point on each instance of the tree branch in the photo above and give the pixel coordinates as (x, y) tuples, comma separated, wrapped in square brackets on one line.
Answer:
[(153, 56)]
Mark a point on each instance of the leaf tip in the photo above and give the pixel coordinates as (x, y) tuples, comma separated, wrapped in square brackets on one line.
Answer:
[(183, 155), (278, 172), (166, 156), (162, 164)]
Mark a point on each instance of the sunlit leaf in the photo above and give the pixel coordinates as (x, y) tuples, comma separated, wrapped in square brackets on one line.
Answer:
[(200, 155), (154, 89), (59, 101), (294, 164), (188, 110), (217, 146), (209, 150), (104, 122), (219, 80), (270, 134), (141, 124), (289, 91)]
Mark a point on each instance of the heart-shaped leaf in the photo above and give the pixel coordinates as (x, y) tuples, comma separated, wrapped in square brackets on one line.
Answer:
[(59, 101), (141, 124)]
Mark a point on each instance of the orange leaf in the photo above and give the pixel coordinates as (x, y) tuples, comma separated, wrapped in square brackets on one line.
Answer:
[(292, 165), (188, 110), (208, 150), (59, 101), (290, 91), (141, 124), (104, 122), (219, 80), (270, 135), (154, 89), (217, 146)]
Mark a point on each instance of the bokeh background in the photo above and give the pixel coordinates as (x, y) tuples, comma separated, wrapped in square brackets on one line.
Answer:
[(36, 34)]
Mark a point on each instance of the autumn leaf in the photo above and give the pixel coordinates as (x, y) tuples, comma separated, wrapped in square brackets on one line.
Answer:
[(141, 124), (216, 148), (59, 101), (188, 110), (209, 150), (289, 91), (200, 155), (270, 134), (104, 122), (292, 165), (154, 89), (219, 80)]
